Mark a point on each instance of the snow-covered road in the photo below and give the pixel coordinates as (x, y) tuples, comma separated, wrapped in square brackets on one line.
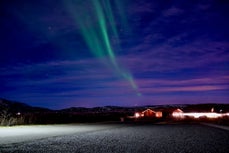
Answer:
[(118, 138)]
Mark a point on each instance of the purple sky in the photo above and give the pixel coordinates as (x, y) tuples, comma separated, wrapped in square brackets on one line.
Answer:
[(175, 51)]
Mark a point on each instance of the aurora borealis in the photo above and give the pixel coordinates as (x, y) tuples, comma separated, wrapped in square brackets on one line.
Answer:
[(93, 25), (89, 53)]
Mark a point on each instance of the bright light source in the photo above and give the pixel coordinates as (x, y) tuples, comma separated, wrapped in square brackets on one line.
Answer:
[(212, 110), (208, 115), (197, 115), (137, 115), (178, 114)]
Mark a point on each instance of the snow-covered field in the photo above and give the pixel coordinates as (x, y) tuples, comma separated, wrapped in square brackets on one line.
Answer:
[(17, 134), (114, 138)]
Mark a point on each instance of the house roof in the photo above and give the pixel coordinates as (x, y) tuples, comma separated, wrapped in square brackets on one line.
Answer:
[(148, 110), (177, 110)]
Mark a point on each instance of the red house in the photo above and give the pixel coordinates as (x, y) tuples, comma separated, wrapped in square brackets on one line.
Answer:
[(148, 113)]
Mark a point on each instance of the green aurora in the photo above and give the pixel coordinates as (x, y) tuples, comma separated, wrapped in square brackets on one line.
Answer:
[(97, 26)]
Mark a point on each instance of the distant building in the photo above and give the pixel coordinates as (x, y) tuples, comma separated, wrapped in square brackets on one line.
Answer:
[(178, 113), (148, 113)]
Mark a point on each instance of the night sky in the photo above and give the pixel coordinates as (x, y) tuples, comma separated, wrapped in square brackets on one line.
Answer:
[(88, 53)]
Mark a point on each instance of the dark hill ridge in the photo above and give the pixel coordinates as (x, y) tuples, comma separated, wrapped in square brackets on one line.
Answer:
[(17, 113), (13, 106), (103, 109)]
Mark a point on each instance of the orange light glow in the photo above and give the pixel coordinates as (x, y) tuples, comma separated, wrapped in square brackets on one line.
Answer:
[(158, 114)]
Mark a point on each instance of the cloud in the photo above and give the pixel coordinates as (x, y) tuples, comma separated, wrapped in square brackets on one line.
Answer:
[(141, 7), (201, 88), (150, 85), (61, 78), (218, 80), (173, 11), (167, 57)]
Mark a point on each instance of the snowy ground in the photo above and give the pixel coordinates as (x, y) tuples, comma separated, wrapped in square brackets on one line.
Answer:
[(17, 134), (114, 138)]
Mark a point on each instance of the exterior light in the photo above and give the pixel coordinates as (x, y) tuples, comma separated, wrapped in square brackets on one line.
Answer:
[(137, 115)]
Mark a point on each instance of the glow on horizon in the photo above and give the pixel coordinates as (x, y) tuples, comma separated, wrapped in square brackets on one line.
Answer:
[(199, 114)]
